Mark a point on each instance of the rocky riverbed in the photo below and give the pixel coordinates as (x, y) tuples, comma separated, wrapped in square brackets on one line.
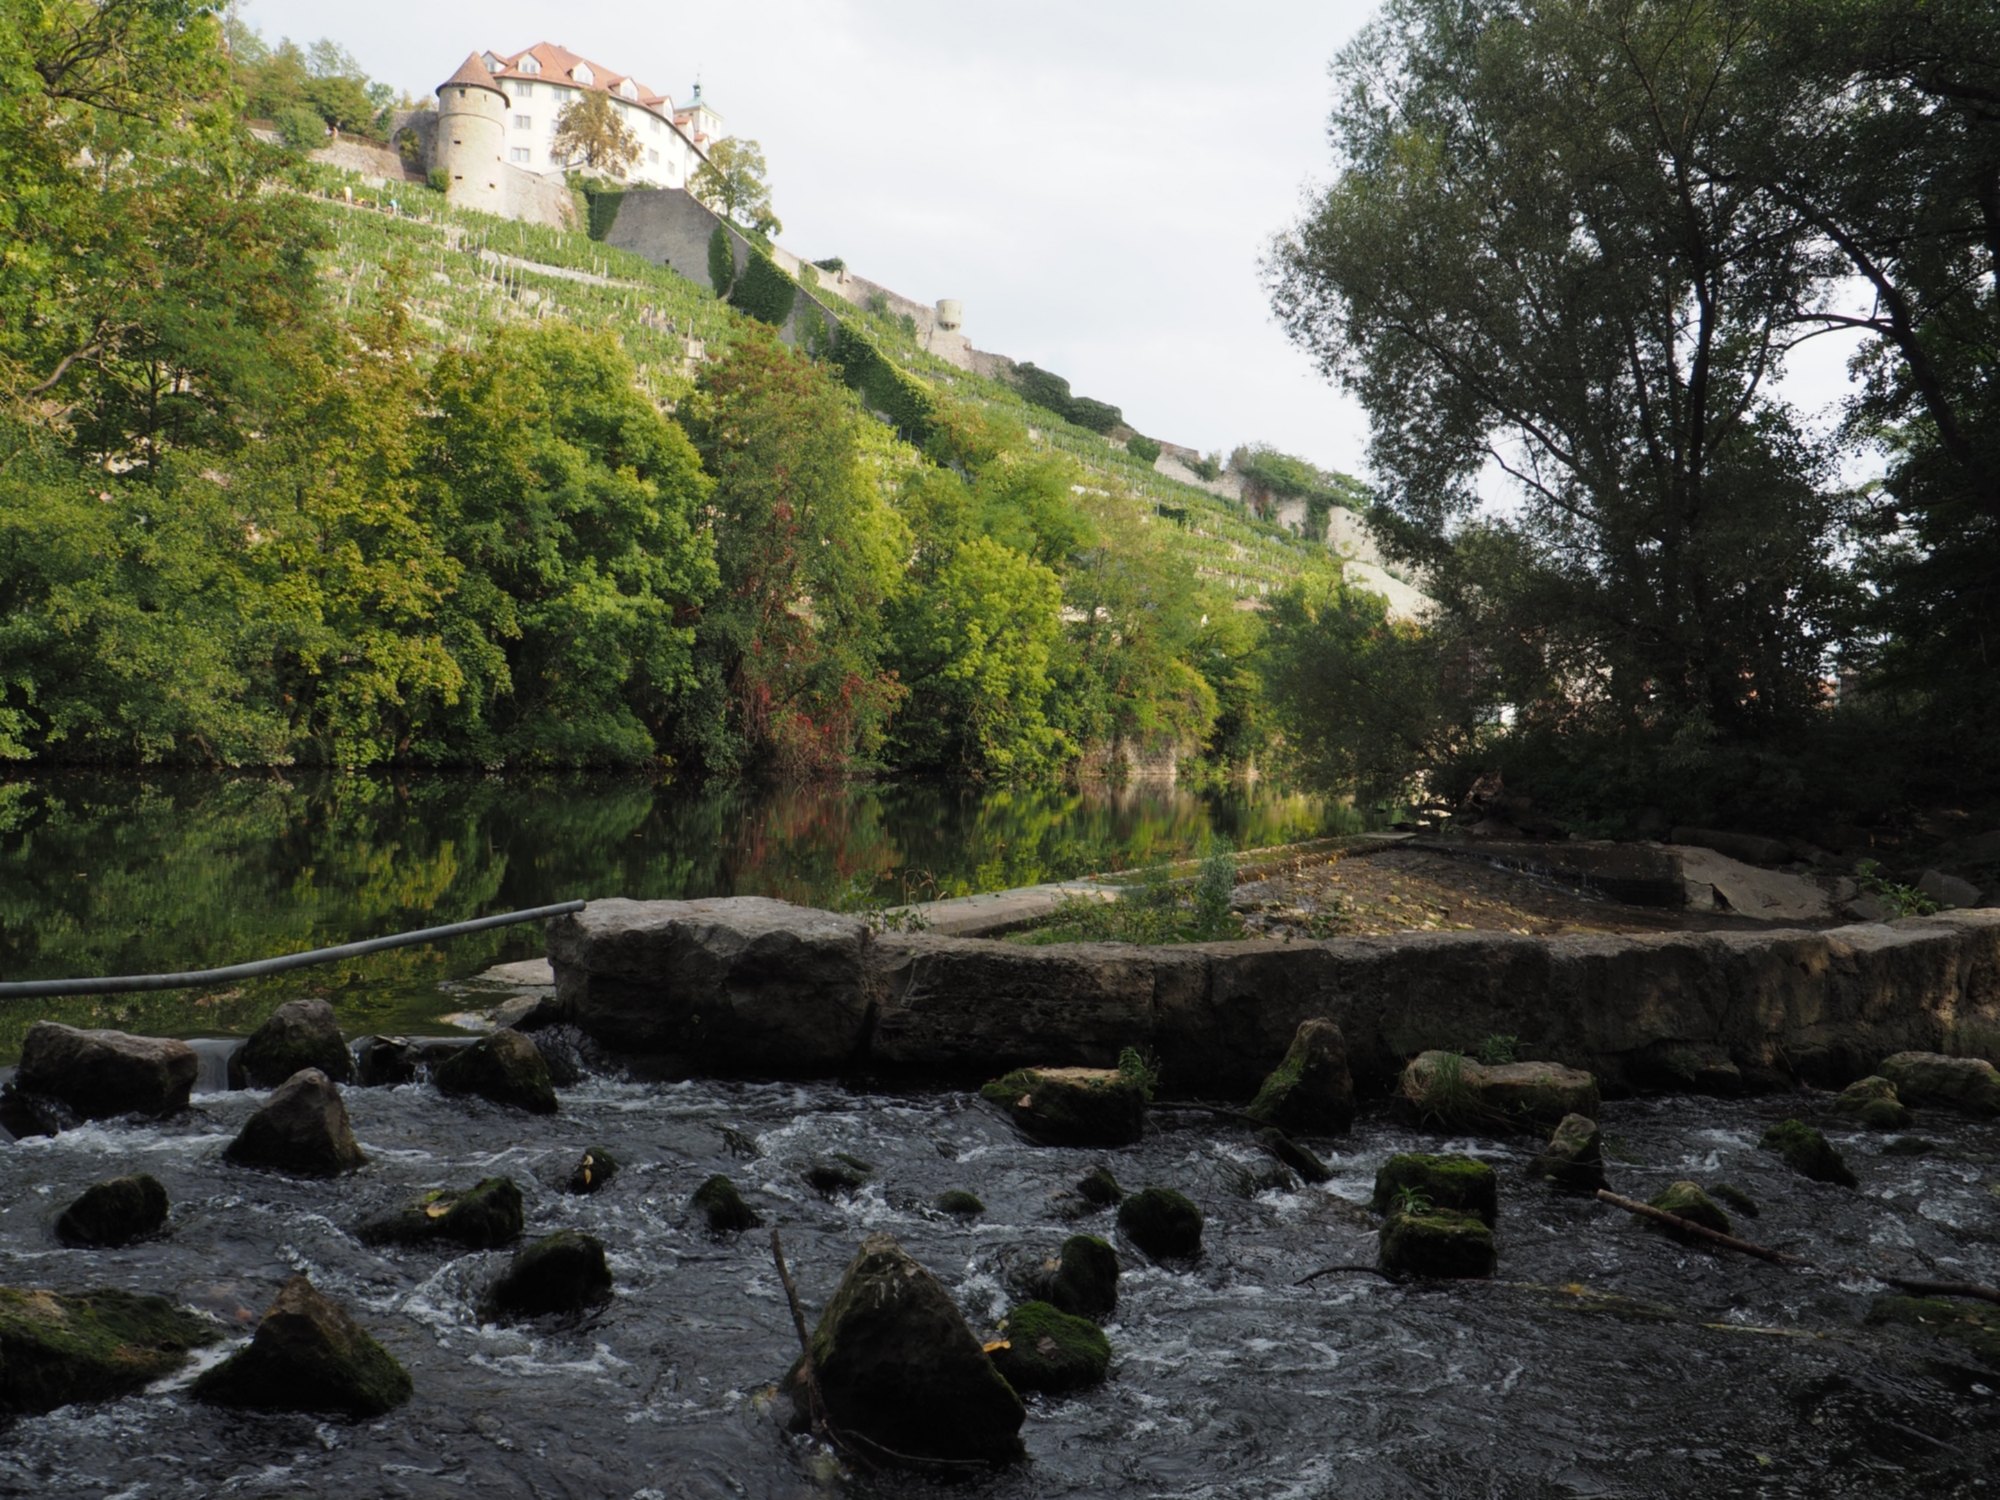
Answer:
[(1604, 1359)]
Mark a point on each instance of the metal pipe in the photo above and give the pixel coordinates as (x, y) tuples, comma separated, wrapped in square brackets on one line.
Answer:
[(115, 985)]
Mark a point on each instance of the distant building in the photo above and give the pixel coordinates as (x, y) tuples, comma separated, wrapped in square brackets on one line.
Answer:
[(495, 125)]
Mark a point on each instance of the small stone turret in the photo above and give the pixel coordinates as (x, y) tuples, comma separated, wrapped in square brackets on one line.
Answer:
[(471, 138)]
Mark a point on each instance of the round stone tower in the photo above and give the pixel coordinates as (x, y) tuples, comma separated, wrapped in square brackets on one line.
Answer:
[(472, 138)]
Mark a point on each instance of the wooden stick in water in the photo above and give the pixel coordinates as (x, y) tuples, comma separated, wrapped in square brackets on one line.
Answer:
[(1701, 1231)]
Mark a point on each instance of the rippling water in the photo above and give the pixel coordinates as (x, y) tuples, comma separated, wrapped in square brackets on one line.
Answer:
[(1735, 1378)]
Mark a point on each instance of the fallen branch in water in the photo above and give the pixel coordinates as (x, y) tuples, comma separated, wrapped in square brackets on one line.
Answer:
[(1334, 1270), (1208, 1109), (1939, 1288), (1701, 1231)]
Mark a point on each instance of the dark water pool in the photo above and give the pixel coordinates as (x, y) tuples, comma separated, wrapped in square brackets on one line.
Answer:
[(131, 874), (1715, 1376)]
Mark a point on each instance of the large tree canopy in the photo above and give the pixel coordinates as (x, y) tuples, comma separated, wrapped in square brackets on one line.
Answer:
[(1528, 274)]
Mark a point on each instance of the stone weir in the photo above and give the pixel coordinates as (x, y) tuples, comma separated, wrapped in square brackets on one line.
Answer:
[(754, 987)]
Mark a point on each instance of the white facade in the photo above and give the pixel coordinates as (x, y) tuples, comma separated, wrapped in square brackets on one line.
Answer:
[(537, 83)]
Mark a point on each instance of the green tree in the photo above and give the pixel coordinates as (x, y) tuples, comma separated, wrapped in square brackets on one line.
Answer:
[(1520, 267), (590, 134), (788, 680), (732, 182), (574, 509)]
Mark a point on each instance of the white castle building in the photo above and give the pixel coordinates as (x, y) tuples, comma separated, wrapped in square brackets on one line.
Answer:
[(496, 123)]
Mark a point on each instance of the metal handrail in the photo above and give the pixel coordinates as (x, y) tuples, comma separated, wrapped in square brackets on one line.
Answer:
[(114, 985)]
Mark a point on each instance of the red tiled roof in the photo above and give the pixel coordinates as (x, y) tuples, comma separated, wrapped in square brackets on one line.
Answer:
[(471, 74), (559, 64)]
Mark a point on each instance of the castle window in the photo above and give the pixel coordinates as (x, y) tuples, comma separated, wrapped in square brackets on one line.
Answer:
[(527, 89), (653, 157), (524, 122), (520, 154), (582, 74), (529, 64)]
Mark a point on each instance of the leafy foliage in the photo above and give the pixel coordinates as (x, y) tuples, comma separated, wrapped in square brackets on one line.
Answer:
[(591, 134), (732, 182), (721, 261), (764, 291), (1051, 392)]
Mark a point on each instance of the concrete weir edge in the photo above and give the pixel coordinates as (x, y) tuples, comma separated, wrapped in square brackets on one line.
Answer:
[(753, 987)]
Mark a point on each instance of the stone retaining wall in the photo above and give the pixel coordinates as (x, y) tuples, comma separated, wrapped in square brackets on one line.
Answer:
[(755, 987)]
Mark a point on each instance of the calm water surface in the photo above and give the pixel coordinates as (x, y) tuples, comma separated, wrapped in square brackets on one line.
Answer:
[(124, 874)]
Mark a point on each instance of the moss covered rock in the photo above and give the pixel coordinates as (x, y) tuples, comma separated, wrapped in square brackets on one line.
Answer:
[(1418, 1180), (1046, 1349), (1872, 1103), (1453, 1092), (1737, 1199), (898, 1366), (308, 1355), (485, 1216), (1101, 1188), (1293, 1155), (718, 1201), (1311, 1090), (1072, 1106), (593, 1169), (1970, 1085), (1686, 1200), (1976, 1327), (1438, 1243), (504, 1067), (302, 1128), (839, 1173), (959, 1204), (1574, 1156), (1085, 1281), (299, 1034), (564, 1273), (1808, 1153), (114, 1213), (93, 1346), (1162, 1223)]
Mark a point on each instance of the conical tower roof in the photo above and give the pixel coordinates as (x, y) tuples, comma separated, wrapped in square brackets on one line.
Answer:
[(472, 74)]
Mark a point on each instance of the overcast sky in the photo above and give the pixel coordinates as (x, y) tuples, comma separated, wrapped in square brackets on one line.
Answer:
[(1095, 179)]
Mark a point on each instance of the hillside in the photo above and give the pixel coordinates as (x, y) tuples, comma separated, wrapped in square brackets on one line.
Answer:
[(470, 272)]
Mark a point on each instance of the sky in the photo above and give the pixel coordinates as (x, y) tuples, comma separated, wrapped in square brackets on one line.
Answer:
[(1095, 180)]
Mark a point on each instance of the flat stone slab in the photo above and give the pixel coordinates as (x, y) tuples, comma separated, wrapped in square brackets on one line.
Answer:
[(994, 912), (1751, 891), (527, 971)]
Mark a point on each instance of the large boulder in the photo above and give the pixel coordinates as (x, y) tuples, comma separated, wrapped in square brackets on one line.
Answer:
[(114, 1213), (1162, 1223), (1970, 1085), (1416, 1181), (504, 1067), (1072, 1106), (1574, 1156), (300, 1034), (563, 1273), (722, 1206), (595, 1168), (1046, 1349), (484, 1217), (1808, 1153), (1451, 1090), (1872, 1102), (93, 1346), (385, 1061), (103, 1074), (740, 983), (1311, 1090), (303, 1128), (1437, 1243), (899, 1369), (308, 1355)]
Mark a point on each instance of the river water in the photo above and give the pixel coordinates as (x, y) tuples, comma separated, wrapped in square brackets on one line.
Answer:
[(135, 874), (1605, 1360)]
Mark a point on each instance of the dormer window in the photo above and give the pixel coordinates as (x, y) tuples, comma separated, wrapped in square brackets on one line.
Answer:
[(628, 89), (530, 64), (493, 64), (582, 74)]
